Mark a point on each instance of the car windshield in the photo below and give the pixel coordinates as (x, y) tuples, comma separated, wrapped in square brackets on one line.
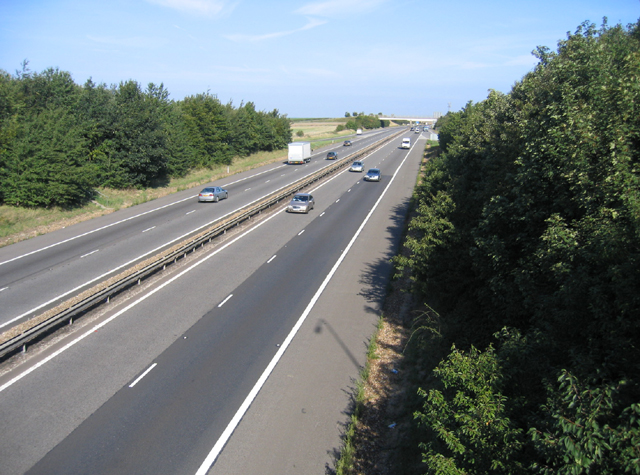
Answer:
[(300, 198)]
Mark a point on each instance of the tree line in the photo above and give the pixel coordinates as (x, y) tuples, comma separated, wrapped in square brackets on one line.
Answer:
[(363, 121), (526, 250), (59, 140)]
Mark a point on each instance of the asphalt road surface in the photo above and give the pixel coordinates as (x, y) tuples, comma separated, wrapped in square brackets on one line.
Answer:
[(242, 360)]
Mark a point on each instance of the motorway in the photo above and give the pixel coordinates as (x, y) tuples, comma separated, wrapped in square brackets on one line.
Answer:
[(185, 373), (40, 273)]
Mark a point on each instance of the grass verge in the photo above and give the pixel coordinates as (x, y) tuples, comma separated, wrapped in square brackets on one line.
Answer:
[(18, 223), (381, 436), (346, 461)]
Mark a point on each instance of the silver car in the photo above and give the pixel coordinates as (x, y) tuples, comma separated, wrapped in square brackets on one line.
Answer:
[(373, 175), (301, 203), (357, 167), (213, 193)]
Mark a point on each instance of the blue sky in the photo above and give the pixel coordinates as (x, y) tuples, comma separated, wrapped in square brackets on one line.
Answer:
[(304, 58)]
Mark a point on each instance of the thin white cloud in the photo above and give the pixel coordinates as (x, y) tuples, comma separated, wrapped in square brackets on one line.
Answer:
[(309, 72), (240, 38), (523, 60), (186, 32), (337, 8), (131, 42), (200, 7), (242, 69), (473, 65)]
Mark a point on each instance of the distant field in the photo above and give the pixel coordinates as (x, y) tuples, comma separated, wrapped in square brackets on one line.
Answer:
[(317, 128)]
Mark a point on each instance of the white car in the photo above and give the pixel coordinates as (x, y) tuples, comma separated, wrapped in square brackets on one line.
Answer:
[(301, 203), (357, 167), (373, 175), (213, 193)]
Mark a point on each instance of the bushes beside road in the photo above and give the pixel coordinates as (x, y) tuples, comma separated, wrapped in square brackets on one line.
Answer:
[(59, 140), (526, 248)]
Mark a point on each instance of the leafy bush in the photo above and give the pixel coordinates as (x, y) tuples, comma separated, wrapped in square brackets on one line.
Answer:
[(59, 140), (529, 221)]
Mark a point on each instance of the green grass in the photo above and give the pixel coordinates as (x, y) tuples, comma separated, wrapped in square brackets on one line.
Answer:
[(344, 465), (18, 224)]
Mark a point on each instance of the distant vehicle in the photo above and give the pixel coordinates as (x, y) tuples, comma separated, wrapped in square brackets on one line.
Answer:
[(347, 143), (357, 167), (301, 203), (373, 175), (359, 132), (299, 153), (413, 128), (417, 131), (332, 156), (406, 143), (213, 193)]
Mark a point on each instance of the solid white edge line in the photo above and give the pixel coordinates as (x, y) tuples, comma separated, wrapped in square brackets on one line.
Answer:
[(114, 269), (35, 309), (130, 306), (137, 216), (96, 230), (225, 301), (143, 375), (226, 435)]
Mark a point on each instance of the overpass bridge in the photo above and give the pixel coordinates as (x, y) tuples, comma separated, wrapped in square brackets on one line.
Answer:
[(412, 119)]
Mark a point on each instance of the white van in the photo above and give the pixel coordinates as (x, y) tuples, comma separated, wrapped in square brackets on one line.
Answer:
[(406, 142)]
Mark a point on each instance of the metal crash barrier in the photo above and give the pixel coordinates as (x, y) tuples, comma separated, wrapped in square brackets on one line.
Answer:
[(19, 337)]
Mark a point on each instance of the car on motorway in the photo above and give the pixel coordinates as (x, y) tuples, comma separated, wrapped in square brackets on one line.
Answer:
[(332, 156), (213, 193), (357, 166), (301, 203), (347, 143), (373, 175)]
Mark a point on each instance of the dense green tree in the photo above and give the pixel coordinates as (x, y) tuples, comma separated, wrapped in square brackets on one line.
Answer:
[(118, 136), (351, 124), (468, 418), (44, 163), (135, 154), (181, 152), (530, 220), (209, 129)]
